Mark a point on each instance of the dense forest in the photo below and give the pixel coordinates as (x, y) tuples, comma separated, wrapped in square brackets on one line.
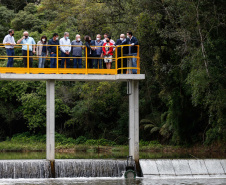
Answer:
[(183, 55)]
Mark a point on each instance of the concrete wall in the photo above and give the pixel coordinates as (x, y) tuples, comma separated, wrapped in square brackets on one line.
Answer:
[(183, 167)]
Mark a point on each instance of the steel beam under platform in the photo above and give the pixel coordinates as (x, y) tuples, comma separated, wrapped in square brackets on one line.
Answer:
[(71, 77)]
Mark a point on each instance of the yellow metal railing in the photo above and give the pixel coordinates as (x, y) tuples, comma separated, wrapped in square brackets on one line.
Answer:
[(84, 70)]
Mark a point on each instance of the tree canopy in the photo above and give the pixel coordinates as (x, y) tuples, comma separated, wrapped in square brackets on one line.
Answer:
[(182, 49)]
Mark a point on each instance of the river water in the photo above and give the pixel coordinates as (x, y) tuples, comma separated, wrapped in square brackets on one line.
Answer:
[(113, 181)]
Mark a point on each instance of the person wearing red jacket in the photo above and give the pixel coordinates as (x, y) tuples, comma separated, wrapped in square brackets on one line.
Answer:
[(108, 52)]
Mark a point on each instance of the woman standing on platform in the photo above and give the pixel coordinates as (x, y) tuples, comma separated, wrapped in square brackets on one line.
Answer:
[(108, 52), (42, 51)]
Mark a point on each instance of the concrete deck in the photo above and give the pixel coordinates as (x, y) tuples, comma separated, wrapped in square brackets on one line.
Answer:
[(71, 77)]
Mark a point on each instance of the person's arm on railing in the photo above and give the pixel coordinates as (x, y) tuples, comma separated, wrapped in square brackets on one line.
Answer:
[(20, 40), (135, 42), (87, 45), (5, 41)]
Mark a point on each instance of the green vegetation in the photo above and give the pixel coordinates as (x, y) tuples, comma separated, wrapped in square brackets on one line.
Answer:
[(182, 49), (25, 141)]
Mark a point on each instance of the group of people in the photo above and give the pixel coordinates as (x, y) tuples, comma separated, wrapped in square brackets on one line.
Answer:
[(96, 49)]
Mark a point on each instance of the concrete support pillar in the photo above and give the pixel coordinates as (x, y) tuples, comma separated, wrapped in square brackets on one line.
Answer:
[(133, 91), (50, 120)]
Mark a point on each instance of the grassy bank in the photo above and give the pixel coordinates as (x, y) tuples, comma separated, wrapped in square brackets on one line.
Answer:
[(26, 142)]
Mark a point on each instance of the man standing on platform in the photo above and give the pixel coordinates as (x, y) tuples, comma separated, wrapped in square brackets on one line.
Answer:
[(99, 51), (122, 41), (9, 45), (53, 49), (77, 51), (27, 41), (131, 40), (65, 47)]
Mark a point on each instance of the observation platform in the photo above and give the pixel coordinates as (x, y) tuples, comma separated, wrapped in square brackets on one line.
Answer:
[(71, 77), (121, 69)]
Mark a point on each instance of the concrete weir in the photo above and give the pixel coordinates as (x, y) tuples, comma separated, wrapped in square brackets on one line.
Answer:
[(196, 168), (15, 169)]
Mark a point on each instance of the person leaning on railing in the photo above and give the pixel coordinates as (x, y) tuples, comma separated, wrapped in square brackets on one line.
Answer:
[(108, 52), (9, 45), (26, 40), (65, 50), (42, 51), (77, 51), (52, 49)]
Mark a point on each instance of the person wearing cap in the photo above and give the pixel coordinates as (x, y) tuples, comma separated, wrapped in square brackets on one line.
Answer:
[(9, 45)]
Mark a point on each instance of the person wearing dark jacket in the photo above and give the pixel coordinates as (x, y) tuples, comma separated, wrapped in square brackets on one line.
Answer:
[(52, 49), (90, 51), (122, 41), (132, 41), (77, 51)]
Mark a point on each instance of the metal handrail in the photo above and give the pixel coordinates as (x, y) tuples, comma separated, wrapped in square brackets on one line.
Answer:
[(64, 70)]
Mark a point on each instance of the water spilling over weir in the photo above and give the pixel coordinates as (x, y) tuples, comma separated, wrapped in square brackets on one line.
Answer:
[(192, 168), (63, 168)]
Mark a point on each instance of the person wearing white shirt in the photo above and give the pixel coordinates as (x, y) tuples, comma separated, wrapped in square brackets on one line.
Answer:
[(9, 45), (65, 47)]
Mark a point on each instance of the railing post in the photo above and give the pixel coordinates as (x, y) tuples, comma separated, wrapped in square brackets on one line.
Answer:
[(138, 59), (28, 61), (116, 60), (122, 59), (57, 59), (86, 62)]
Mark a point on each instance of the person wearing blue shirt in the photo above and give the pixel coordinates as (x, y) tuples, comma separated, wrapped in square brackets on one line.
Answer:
[(52, 49), (27, 41)]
